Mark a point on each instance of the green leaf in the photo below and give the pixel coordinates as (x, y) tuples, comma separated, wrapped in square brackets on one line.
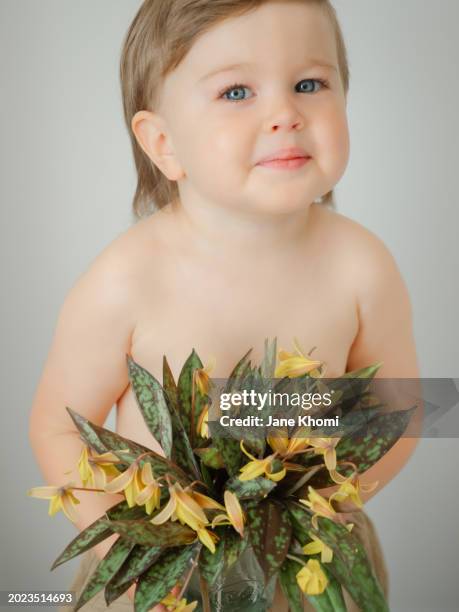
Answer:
[(351, 567), (270, 533), (301, 522), (368, 445), (189, 413), (97, 531), (352, 388), (152, 404), (169, 385), (239, 372), (352, 421), (113, 592), (234, 547), (367, 372), (289, 585), (334, 591), (268, 365), (321, 602), (212, 564), (257, 488), (208, 480), (182, 453), (131, 450), (253, 443), (331, 600), (87, 432), (211, 457), (102, 440), (147, 534), (231, 452), (158, 581), (140, 559), (105, 570), (160, 466)]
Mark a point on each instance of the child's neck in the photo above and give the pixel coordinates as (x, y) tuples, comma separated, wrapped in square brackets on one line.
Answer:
[(224, 232)]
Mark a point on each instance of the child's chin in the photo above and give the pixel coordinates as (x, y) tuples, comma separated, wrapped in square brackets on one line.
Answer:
[(281, 206)]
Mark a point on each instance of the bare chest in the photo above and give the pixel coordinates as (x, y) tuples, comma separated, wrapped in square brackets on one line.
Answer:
[(222, 313)]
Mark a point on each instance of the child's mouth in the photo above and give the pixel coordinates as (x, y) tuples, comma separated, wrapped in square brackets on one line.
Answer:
[(285, 164)]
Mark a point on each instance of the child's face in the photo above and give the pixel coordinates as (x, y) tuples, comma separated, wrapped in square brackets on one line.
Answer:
[(217, 139)]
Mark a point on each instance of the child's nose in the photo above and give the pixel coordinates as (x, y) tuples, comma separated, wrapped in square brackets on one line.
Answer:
[(284, 116)]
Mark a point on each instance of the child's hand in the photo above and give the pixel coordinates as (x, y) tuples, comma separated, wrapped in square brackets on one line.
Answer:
[(158, 608)]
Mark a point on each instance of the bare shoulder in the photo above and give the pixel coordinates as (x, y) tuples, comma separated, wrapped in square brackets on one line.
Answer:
[(109, 286), (368, 262), (385, 314), (142, 240), (121, 264), (352, 237), (86, 365)]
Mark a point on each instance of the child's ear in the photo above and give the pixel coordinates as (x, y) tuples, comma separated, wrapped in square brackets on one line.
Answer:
[(151, 133)]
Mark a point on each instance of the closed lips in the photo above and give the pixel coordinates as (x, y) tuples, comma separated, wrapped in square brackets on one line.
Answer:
[(290, 153)]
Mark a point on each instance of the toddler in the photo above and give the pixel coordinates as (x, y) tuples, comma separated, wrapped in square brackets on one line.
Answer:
[(237, 114)]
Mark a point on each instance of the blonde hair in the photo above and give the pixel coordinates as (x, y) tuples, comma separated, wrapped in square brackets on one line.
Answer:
[(162, 33)]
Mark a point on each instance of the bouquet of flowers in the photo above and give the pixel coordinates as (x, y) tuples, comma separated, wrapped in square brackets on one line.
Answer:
[(216, 505)]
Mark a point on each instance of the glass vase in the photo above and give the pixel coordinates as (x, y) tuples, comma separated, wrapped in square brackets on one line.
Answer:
[(241, 588)]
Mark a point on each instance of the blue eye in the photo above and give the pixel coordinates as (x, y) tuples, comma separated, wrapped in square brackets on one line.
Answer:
[(239, 87), (324, 84), (235, 87)]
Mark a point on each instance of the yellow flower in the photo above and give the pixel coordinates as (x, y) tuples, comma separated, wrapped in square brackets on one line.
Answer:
[(84, 467), (208, 538), (150, 495), (187, 507), (174, 605), (183, 507), (202, 427), (258, 467), (311, 578), (286, 446), (350, 488), (201, 377), (279, 443), (327, 448), (319, 505), (95, 469), (61, 498), (234, 514), (316, 547), (296, 364), (206, 502), (128, 481)]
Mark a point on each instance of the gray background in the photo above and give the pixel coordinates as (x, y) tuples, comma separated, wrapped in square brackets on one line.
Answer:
[(66, 185)]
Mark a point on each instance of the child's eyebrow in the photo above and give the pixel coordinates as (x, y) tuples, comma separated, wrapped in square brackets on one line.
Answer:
[(311, 62)]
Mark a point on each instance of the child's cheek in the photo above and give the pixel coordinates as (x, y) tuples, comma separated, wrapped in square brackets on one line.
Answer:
[(331, 138), (228, 141)]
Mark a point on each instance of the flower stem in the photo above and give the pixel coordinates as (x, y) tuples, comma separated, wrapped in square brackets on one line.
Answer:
[(194, 483), (193, 403), (187, 579), (205, 594), (294, 558), (304, 479), (300, 452), (87, 489)]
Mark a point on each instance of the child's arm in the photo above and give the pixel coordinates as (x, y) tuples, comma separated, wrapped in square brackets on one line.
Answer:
[(385, 335), (86, 370)]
